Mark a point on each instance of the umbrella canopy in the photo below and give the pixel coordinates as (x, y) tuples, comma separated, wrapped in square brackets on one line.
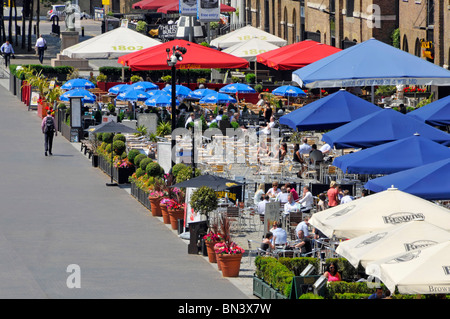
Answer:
[(119, 88), (217, 98), (371, 62), (152, 4), (435, 113), (112, 127), (196, 57), (250, 49), (160, 100), (329, 112), (393, 157), (296, 55), (288, 91), (237, 88), (398, 239), (133, 95), (175, 8), (180, 90), (199, 93), (421, 271), (153, 93), (385, 125), (111, 44), (77, 84), (378, 212), (87, 97), (215, 182), (244, 34), (144, 86), (430, 181)]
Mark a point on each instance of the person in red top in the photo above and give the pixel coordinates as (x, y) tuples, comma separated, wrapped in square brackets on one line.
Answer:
[(332, 273), (291, 189), (333, 199)]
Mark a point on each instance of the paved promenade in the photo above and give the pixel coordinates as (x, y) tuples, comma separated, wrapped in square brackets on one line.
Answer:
[(58, 219)]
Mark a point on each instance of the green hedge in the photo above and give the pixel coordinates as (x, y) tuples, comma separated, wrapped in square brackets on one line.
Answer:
[(46, 69), (274, 273)]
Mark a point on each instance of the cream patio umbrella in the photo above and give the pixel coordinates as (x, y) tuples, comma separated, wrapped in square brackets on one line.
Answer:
[(245, 34), (420, 271), (378, 212), (402, 238)]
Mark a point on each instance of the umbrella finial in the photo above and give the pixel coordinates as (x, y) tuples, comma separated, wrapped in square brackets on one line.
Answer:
[(416, 134), (392, 188)]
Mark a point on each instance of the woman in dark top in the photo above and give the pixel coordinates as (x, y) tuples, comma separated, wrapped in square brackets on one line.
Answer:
[(267, 244), (298, 158)]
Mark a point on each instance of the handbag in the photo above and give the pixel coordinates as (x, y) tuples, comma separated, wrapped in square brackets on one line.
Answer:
[(45, 46)]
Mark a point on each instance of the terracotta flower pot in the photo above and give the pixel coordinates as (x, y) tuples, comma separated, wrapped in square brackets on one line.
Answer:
[(219, 260), (174, 216), (154, 205), (165, 213), (210, 251), (231, 265)]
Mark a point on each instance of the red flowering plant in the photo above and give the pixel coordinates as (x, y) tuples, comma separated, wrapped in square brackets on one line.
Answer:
[(174, 205), (227, 246), (122, 163), (156, 188), (213, 235)]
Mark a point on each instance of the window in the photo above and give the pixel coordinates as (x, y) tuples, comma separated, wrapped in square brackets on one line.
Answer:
[(350, 7)]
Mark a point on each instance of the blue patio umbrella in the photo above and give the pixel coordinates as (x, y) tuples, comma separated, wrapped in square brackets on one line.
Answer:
[(160, 100), (288, 91), (133, 95), (119, 88), (158, 92), (430, 181), (385, 125), (180, 90), (370, 63), (144, 86), (436, 113), (199, 93), (217, 98), (87, 97), (329, 112), (237, 88), (393, 156), (78, 84)]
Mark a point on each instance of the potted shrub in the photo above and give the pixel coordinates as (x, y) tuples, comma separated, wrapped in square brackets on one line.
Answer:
[(176, 209), (155, 196), (204, 200)]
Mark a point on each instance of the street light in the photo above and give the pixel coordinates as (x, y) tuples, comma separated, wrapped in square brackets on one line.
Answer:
[(172, 59)]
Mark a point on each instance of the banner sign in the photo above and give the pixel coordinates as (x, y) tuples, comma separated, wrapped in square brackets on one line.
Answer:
[(167, 31), (188, 7), (208, 10)]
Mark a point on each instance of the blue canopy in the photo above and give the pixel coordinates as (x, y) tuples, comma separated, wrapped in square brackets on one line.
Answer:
[(153, 93), (371, 62), (160, 100), (86, 96), (380, 127), (288, 91), (119, 88), (329, 112), (393, 157), (430, 181), (180, 90), (133, 95), (237, 88), (144, 86), (217, 98), (78, 84), (436, 113), (199, 93)]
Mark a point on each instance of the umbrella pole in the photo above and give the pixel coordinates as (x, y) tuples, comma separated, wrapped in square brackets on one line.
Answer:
[(373, 94), (112, 164)]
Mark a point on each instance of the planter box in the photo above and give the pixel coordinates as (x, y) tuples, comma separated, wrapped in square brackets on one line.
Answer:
[(121, 175), (94, 160), (263, 290), (65, 130)]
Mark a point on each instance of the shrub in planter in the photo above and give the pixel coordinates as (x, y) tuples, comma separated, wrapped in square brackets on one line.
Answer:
[(119, 147), (99, 137), (144, 162), (108, 137), (310, 295), (139, 172), (250, 78), (108, 148), (204, 200), (274, 273), (138, 159), (119, 137), (154, 169), (132, 154), (176, 168)]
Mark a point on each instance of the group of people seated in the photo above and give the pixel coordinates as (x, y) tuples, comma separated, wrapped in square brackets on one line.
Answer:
[(314, 155)]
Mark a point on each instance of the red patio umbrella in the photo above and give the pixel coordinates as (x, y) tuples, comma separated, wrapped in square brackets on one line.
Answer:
[(152, 4), (175, 7), (196, 57), (296, 55)]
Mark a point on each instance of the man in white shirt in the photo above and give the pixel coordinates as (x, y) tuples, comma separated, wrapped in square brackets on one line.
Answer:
[(279, 234), (283, 196), (7, 50), (189, 120), (346, 198), (325, 149), (291, 206), (307, 201), (262, 205), (303, 226), (40, 48), (304, 148)]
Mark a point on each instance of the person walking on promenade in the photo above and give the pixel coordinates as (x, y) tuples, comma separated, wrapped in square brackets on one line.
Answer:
[(48, 127), (7, 50), (41, 46)]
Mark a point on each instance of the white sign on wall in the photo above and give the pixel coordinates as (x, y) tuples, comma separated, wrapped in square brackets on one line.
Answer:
[(208, 10), (188, 7)]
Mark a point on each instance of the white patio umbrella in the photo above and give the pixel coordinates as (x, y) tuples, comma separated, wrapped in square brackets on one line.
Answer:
[(395, 240), (420, 271), (245, 34), (378, 212)]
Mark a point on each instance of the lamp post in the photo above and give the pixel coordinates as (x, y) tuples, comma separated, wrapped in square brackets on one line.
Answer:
[(172, 59)]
